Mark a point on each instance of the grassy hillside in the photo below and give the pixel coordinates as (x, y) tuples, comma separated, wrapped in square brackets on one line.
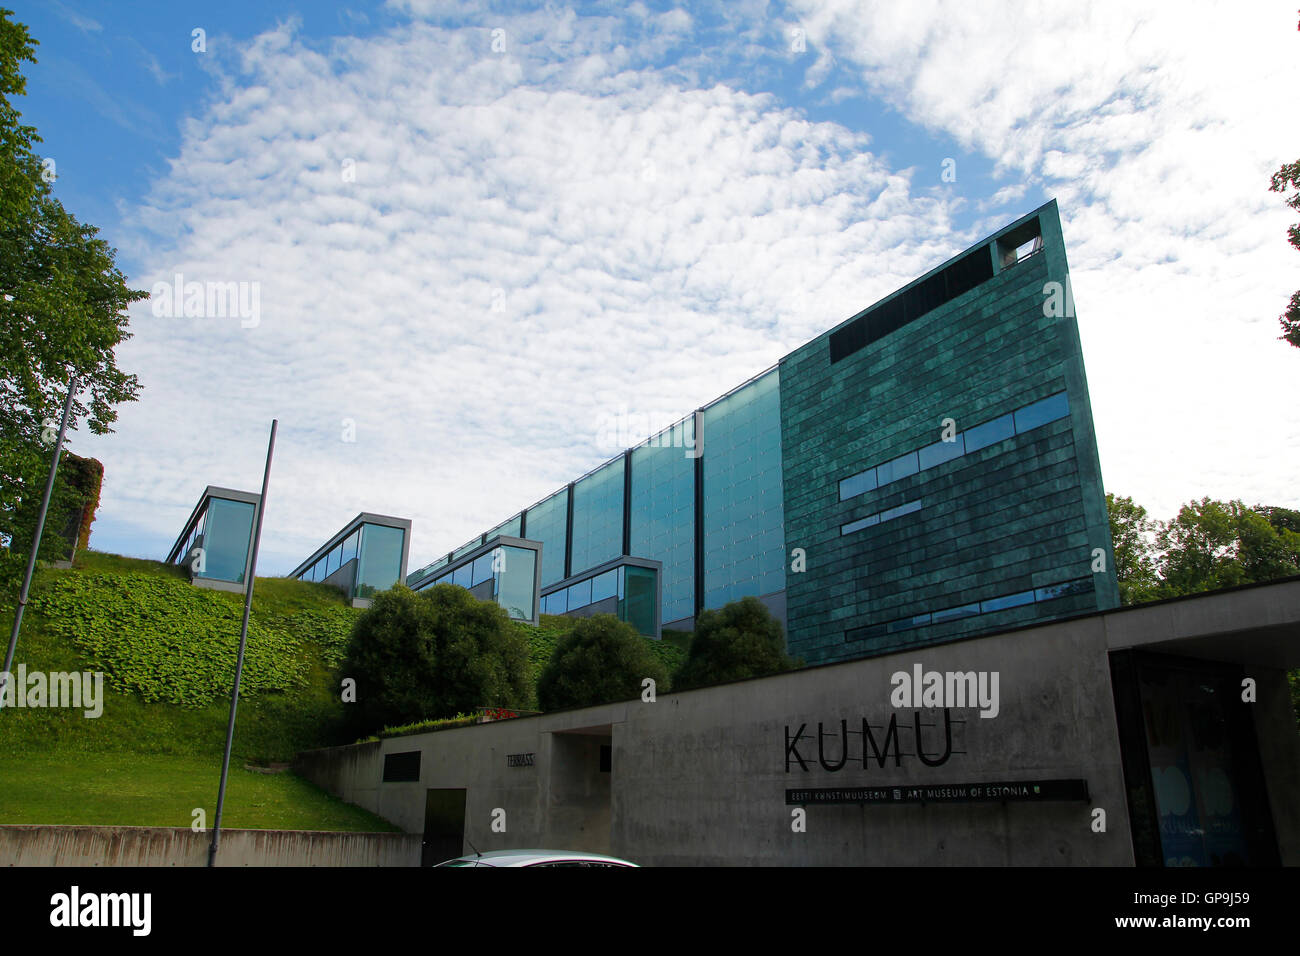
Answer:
[(167, 650)]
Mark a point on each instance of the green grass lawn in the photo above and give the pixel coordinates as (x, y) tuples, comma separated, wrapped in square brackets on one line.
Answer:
[(162, 790), (154, 753)]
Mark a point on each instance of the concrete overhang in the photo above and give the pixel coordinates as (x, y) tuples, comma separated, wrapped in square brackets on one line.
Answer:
[(1257, 624)]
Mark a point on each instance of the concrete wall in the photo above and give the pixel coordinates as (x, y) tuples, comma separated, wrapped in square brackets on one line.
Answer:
[(178, 846), (700, 777)]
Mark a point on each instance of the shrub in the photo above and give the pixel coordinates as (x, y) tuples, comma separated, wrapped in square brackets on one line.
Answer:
[(602, 659), (432, 654), (740, 640)]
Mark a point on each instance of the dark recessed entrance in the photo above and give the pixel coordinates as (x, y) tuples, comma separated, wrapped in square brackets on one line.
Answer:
[(444, 826), (1195, 787)]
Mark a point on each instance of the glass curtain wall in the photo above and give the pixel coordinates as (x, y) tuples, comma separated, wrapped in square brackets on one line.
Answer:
[(598, 517), (663, 513), (380, 564), (546, 523), (744, 517), (228, 535)]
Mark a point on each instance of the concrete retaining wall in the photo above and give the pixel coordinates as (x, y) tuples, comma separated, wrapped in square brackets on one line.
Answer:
[(179, 846)]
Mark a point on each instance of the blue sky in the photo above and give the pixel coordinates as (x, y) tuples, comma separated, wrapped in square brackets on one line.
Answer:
[(475, 229)]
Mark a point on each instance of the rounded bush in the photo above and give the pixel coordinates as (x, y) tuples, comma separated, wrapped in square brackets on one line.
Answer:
[(737, 641), (602, 659)]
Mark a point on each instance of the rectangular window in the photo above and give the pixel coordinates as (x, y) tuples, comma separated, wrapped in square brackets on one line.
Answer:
[(604, 586), (598, 517), (579, 594), (900, 467), (379, 564), (744, 518), (953, 613), (1054, 591), (858, 484), (402, 768), (482, 569), (228, 534), (1007, 601), (515, 582), (990, 433), (546, 523), (1040, 413), (868, 522), (872, 520), (941, 451), (907, 623), (903, 509), (557, 602), (663, 513)]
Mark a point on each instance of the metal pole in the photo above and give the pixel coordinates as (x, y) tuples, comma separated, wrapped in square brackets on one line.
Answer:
[(243, 643), (36, 544)]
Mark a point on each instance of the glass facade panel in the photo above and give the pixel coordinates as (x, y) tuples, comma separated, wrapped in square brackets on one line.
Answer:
[(981, 436), (350, 546), (1040, 413), (466, 548), (509, 528), (900, 467), (546, 523), (952, 613), (663, 513), (515, 582), (556, 603), (380, 564), (1009, 600), (604, 586), (482, 566), (579, 594), (1054, 591), (867, 522), (598, 517), (858, 484), (941, 451), (638, 606), (463, 576), (744, 520), (228, 533), (903, 509)]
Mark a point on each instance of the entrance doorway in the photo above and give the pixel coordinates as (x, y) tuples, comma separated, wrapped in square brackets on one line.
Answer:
[(1191, 763), (444, 826)]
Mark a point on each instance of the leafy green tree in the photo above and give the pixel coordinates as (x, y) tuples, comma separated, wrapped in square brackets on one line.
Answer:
[(1216, 544), (1132, 534), (433, 653), (739, 640), (602, 659), (62, 312), (1288, 177)]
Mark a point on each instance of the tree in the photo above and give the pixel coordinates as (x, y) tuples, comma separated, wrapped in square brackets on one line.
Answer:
[(62, 312), (1216, 544), (1289, 177), (1132, 533), (433, 653), (602, 659), (740, 640)]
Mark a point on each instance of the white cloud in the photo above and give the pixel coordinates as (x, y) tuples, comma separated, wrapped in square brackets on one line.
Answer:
[(582, 222), (1157, 127), (528, 243)]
